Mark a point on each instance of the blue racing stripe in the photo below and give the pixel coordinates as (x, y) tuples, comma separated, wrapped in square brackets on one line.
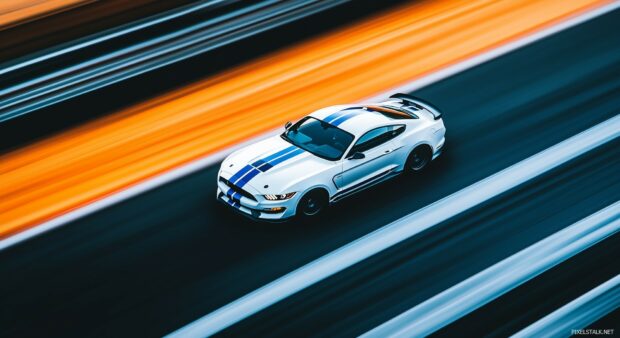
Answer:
[(285, 157), (245, 179), (334, 116), (343, 118), (248, 172), (268, 165), (265, 166), (234, 178), (262, 161), (235, 196), (230, 193), (234, 204), (337, 114)]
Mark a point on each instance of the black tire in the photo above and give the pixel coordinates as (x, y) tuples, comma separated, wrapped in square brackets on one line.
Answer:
[(418, 159), (312, 203)]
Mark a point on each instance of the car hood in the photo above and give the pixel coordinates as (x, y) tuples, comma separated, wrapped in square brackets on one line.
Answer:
[(291, 168)]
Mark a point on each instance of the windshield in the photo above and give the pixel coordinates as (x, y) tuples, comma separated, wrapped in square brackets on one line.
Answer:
[(320, 138)]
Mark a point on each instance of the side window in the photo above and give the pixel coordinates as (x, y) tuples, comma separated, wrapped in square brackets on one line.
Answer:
[(396, 130), (376, 137)]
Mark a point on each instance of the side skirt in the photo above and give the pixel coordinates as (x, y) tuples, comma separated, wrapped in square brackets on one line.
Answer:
[(365, 184)]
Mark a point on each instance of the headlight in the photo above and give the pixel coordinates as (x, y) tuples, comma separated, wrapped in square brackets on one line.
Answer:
[(280, 197)]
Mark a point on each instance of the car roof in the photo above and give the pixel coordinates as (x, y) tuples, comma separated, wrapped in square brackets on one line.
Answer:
[(355, 119)]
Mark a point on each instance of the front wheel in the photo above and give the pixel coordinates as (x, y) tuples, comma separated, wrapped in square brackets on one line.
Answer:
[(419, 158), (312, 203)]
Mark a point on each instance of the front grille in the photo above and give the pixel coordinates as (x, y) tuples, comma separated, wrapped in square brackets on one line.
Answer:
[(237, 189)]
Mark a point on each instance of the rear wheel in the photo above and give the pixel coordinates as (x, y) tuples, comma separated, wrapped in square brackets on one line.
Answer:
[(312, 203), (419, 158)]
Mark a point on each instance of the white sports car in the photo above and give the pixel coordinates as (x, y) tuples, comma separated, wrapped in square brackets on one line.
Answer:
[(329, 155)]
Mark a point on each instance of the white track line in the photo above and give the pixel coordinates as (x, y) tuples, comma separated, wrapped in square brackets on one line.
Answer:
[(95, 39), (578, 314), (200, 164), (491, 283), (402, 229)]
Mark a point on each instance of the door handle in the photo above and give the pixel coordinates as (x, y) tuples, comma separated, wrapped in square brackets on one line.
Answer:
[(388, 151)]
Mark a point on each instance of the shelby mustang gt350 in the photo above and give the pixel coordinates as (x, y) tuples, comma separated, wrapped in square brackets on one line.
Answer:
[(329, 155)]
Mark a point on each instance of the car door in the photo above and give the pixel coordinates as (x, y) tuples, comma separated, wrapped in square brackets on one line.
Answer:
[(378, 149)]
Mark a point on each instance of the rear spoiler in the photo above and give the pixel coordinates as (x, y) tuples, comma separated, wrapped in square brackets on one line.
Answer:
[(418, 103)]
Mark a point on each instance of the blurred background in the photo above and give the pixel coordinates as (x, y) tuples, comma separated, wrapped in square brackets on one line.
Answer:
[(115, 116)]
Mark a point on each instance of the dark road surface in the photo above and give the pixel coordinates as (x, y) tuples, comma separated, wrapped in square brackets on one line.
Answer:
[(378, 289), (154, 263), (544, 294)]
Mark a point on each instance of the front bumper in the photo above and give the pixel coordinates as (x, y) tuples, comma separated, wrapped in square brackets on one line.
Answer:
[(258, 210)]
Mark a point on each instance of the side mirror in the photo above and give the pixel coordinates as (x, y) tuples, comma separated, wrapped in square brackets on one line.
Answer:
[(356, 156), (287, 125)]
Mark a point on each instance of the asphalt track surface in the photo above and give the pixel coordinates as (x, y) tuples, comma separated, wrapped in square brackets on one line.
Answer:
[(156, 262), (378, 289), (611, 320), (544, 294)]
